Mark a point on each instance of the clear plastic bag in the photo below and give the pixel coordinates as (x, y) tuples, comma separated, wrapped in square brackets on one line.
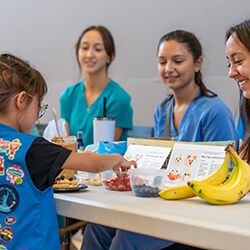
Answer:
[(50, 131)]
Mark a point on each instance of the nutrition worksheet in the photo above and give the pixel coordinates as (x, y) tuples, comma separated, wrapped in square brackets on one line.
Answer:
[(147, 156), (193, 162)]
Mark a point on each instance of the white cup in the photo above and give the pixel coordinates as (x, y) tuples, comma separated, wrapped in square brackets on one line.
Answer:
[(104, 129)]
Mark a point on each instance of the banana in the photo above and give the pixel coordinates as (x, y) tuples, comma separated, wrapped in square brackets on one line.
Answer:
[(232, 178), (232, 190), (177, 192), (183, 191)]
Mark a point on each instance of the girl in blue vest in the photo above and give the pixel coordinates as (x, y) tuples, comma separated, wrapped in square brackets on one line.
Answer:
[(30, 164)]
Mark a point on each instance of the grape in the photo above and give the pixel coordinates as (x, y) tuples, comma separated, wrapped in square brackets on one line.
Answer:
[(146, 191)]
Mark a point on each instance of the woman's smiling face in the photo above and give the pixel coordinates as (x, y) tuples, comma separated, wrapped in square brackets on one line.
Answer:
[(239, 63), (92, 54), (176, 65)]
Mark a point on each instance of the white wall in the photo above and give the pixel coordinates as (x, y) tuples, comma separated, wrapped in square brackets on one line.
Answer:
[(45, 32)]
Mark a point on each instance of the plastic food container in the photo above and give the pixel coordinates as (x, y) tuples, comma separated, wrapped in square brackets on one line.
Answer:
[(118, 181), (89, 178), (147, 182)]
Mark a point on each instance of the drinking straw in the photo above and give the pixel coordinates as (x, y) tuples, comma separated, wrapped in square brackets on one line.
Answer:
[(104, 107), (57, 127)]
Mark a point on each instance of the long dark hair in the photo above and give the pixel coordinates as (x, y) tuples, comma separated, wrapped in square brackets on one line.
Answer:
[(242, 32), (193, 45)]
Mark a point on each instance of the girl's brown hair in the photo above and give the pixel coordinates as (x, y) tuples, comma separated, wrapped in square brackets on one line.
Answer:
[(17, 75)]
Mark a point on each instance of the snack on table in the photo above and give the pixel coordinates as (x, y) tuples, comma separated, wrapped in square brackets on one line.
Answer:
[(68, 142), (83, 177), (147, 182), (89, 178), (96, 180), (144, 190), (62, 182), (119, 181)]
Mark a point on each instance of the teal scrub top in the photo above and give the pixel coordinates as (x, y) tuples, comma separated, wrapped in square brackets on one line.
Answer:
[(75, 111)]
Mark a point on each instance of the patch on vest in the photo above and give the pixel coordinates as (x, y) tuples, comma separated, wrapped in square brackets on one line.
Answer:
[(6, 234), (14, 174), (9, 198), (10, 220), (3, 247)]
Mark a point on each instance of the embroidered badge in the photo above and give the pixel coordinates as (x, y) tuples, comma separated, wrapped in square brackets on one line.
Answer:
[(3, 247), (4, 146), (1, 166), (6, 235), (10, 220), (14, 174), (9, 198), (9, 148), (14, 146)]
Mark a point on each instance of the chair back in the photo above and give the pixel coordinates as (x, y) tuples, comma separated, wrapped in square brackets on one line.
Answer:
[(141, 131)]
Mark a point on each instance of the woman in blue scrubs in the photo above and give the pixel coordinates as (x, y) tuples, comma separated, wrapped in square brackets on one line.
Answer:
[(192, 113), (238, 55)]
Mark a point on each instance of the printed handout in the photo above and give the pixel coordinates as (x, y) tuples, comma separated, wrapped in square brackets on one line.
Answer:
[(193, 162), (147, 156)]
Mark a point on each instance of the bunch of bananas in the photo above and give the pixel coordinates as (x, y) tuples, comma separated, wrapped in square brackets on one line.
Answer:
[(214, 189)]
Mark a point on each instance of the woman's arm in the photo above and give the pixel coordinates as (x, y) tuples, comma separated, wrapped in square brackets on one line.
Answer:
[(67, 128), (118, 133)]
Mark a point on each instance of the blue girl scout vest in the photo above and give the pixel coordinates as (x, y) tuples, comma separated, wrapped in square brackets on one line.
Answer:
[(27, 215)]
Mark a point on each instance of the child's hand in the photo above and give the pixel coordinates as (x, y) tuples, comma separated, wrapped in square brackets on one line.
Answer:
[(124, 165)]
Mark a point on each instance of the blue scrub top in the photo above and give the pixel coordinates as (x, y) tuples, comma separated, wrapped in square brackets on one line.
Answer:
[(206, 119), (75, 111), (240, 129)]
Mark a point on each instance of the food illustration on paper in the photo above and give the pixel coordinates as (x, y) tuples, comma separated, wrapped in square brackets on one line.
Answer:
[(192, 162)]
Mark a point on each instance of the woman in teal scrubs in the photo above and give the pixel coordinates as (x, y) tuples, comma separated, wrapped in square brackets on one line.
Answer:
[(80, 103)]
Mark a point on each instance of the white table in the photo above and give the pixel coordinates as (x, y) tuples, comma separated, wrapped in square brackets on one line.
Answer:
[(191, 221)]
